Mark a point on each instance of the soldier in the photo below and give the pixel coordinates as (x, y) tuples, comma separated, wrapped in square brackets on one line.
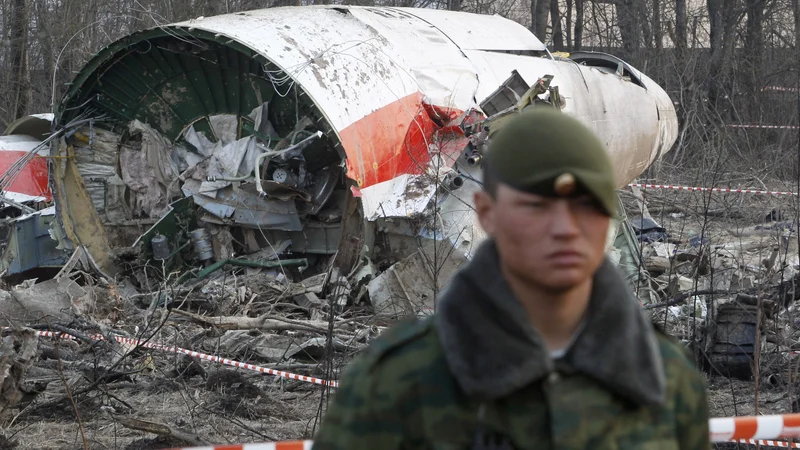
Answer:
[(537, 342)]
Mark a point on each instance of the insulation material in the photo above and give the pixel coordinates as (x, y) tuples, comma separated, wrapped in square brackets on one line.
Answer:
[(158, 152), (151, 172), (225, 127), (147, 197), (96, 158)]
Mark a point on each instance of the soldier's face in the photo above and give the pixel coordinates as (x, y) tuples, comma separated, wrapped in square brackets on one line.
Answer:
[(555, 244)]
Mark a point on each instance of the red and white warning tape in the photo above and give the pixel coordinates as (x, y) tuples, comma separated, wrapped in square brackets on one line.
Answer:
[(217, 359), (769, 443), (707, 189), (770, 127), (780, 89), (307, 445), (289, 445), (724, 429), (747, 430)]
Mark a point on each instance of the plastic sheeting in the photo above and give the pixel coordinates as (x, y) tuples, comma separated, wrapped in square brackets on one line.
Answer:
[(151, 172), (228, 158)]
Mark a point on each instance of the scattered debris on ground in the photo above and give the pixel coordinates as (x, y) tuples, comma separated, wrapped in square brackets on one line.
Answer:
[(721, 275), (723, 289)]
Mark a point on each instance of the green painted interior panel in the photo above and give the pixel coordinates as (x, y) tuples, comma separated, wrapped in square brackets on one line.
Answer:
[(170, 84)]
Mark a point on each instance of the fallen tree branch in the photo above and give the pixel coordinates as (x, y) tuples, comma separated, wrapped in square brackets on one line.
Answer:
[(160, 429), (71, 400), (261, 322), (77, 334)]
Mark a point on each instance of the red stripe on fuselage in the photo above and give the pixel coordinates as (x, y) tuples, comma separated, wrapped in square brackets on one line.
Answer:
[(32, 180), (391, 141)]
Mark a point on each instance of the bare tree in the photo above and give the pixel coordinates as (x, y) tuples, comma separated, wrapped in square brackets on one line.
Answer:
[(658, 31), (754, 44), (680, 24), (723, 17), (18, 35), (555, 19), (578, 25), (796, 14), (539, 12)]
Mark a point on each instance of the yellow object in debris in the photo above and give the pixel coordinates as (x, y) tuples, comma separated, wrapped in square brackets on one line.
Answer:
[(561, 54), (146, 365)]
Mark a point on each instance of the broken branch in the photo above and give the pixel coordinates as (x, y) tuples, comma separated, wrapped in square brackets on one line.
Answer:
[(160, 429), (261, 322)]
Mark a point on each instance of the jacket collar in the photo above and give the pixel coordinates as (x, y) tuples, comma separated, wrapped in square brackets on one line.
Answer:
[(492, 349)]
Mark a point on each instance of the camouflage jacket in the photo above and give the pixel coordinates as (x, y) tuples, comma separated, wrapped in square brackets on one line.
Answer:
[(478, 376)]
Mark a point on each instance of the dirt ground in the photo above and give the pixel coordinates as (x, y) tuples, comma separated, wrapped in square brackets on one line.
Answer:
[(228, 407)]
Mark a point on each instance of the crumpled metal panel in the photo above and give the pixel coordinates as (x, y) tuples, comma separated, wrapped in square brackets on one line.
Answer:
[(247, 209), (636, 124), (404, 196), (30, 245)]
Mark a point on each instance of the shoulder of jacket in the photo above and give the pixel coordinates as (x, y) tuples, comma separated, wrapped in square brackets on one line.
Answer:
[(671, 348), (408, 340), (679, 362)]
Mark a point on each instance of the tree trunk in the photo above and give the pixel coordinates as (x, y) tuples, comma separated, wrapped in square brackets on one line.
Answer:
[(628, 25), (754, 51), (568, 24), (680, 24), (715, 37), (796, 12), (45, 34), (723, 17), (539, 12), (555, 19), (639, 8), (658, 33), (578, 25), (20, 78)]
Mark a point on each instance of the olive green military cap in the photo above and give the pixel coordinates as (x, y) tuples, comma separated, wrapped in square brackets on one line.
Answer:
[(546, 152)]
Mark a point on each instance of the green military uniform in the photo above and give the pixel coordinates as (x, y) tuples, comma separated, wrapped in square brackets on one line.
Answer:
[(478, 365), (477, 375)]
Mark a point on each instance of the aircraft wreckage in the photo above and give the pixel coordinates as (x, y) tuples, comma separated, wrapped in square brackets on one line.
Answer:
[(324, 133)]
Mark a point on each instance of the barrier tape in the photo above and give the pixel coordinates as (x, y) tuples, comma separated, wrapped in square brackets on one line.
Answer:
[(706, 189), (784, 426), (745, 429), (217, 359), (780, 89), (783, 444), (288, 445), (770, 127), (307, 445)]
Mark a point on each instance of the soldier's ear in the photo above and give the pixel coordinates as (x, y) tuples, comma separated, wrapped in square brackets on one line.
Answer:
[(484, 208)]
